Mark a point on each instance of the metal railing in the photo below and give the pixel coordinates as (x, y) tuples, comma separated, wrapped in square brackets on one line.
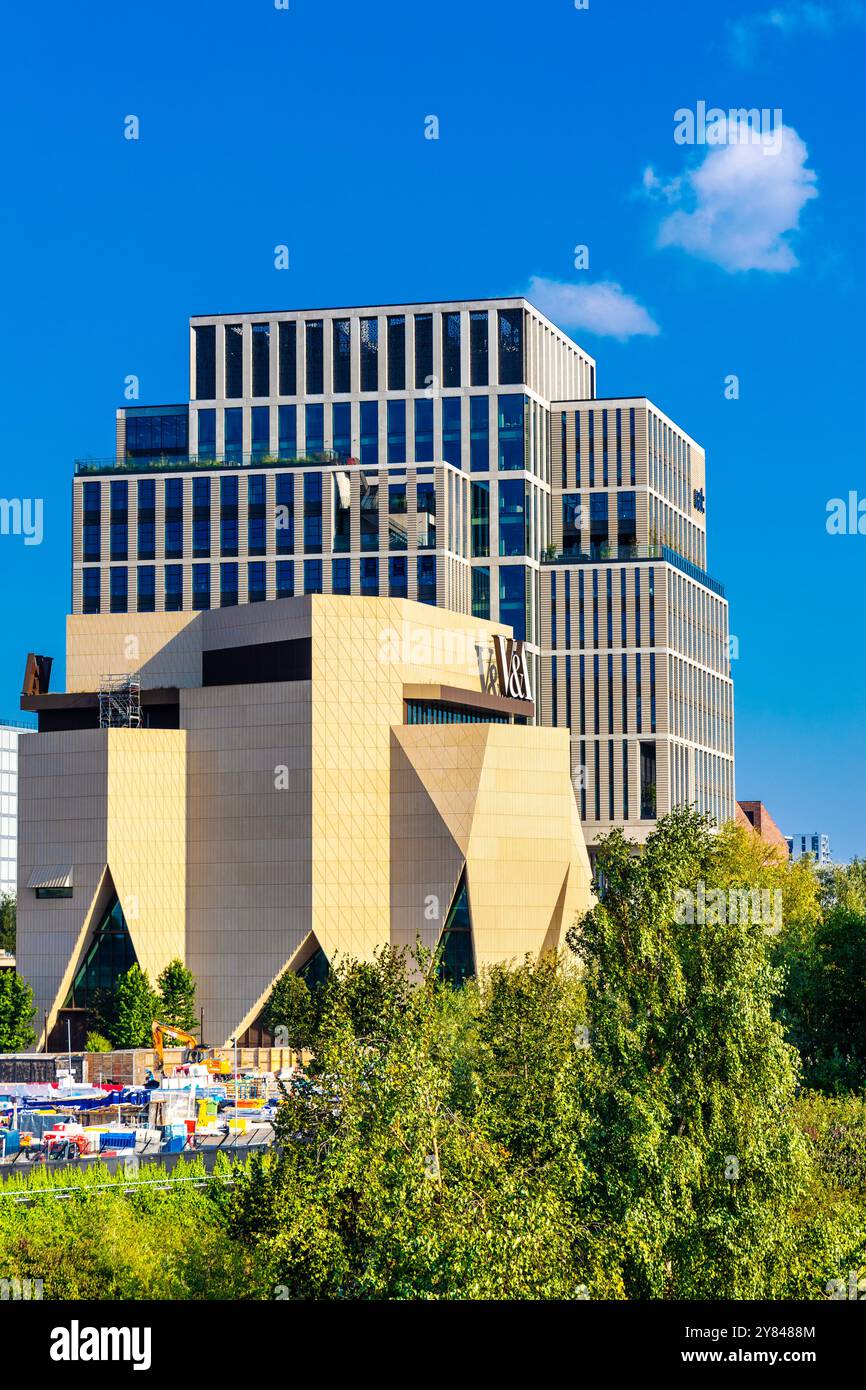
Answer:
[(189, 463), (604, 553)]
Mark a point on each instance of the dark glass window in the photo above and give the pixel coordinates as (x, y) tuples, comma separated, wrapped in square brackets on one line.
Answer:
[(314, 416), (341, 429), (146, 518), (512, 599), (228, 516), (426, 507), (228, 585), (119, 521), (455, 959), (397, 352), (287, 416), (261, 359), (234, 363), (92, 515), (479, 364), (510, 347), (396, 431), (480, 504), (571, 519), (314, 332), (285, 578), (512, 517), (256, 538), (369, 354), (397, 578), (426, 579), (479, 434), (233, 421), (369, 576), (450, 349), (201, 518), (118, 588), (424, 431), (205, 362), (109, 955), (257, 582), (206, 434), (260, 434), (91, 585), (369, 513), (312, 576), (598, 518), (370, 432), (146, 588), (423, 351), (647, 781), (481, 591), (512, 454), (340, 577), (288, 358), (451, 438), (285, 518), (312, 519), (156, 434), (173, 588), (626, 519), (342, 355), (200, 586)]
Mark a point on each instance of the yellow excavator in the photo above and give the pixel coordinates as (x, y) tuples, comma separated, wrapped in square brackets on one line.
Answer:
[(195, 1052)]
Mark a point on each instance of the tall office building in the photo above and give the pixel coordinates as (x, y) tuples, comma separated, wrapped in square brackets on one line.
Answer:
[(454, 453)]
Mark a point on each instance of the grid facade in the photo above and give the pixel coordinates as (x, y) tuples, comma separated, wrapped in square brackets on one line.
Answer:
[(455, 453), (9, 736)]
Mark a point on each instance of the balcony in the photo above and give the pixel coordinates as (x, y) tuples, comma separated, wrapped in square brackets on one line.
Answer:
[(190, 463), (605, 553)]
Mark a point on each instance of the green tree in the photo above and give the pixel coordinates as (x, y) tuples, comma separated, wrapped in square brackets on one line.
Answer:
[(7, 922), (135, 1008), (822, 1003), (291, 1013), (16, 1012), (694, 1154), (96, 1042), (176, 987)]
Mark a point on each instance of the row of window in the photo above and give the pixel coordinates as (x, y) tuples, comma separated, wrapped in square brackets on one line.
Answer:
[(135, 591), (594, 692), (598, 446), (697, 624), (217, 500), (414, 431), (596, 605), (303, 345), (605, 769), (670, 463), (591, 523), (701, 705)]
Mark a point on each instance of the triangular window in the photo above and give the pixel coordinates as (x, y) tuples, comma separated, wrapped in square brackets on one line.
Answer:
[(109, 955), (455, 959)]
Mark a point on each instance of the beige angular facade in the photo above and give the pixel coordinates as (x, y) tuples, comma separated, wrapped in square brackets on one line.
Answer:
[(323, 773)]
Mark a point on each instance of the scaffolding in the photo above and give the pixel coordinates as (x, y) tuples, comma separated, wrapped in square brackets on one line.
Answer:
[(120, 702)]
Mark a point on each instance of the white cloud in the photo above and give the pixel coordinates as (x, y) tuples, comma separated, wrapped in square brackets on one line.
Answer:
[(742, 203), (797, 17), (603, 308)]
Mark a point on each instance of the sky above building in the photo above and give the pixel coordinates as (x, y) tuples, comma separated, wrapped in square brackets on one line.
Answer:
[(591, 158)]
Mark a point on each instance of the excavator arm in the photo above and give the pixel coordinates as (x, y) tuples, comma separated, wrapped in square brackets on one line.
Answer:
[(162, 1031)]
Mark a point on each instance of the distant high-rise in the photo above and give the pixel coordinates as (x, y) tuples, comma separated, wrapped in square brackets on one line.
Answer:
[(813, 843)]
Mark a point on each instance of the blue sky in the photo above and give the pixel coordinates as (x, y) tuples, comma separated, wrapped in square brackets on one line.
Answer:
[(305, 126)]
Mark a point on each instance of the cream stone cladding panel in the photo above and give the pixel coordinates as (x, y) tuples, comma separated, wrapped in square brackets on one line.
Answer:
[(163, 648), (363, 653), (527, 869), (249, 844), (109, 804)]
